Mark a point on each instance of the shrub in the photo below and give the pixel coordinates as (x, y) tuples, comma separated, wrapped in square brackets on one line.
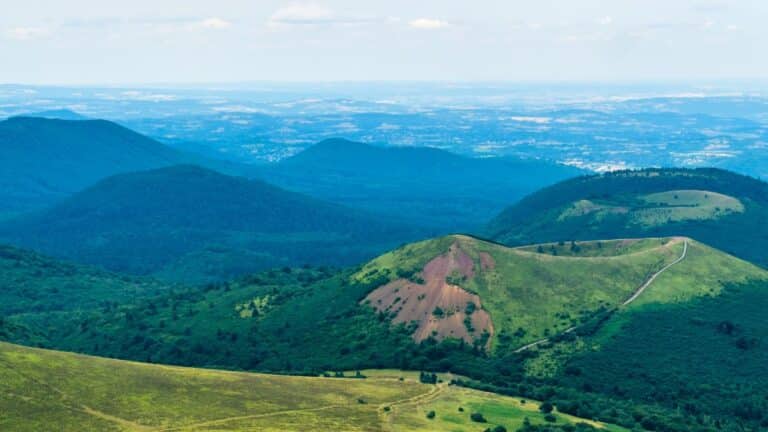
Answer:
[(427, 378), (478, 418), (546, 407), (470, 309)]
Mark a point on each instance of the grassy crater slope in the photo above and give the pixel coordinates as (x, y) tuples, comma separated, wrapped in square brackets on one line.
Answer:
[(719, 208), (534, 292), (39, 389)]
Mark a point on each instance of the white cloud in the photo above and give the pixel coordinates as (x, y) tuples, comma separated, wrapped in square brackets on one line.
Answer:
[(606, 20), (313, 14), (534, 26), (26, 33), (428, 24), (215, 23), (301, 14)]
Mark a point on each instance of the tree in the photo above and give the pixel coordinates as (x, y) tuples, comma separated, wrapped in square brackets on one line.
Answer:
[(431, 415), (427, 378), (546, 407)]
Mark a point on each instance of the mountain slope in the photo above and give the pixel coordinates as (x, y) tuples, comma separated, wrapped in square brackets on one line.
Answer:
[(40, 388), (145, 222), (701, 354), (34, 288), (31, 283), (44, 160), (720, 208), (461, 287), (421, 185)]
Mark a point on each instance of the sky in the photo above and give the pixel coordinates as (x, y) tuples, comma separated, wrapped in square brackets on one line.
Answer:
[(109, 42)]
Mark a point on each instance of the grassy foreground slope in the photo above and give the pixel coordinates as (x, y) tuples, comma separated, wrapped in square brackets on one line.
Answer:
[(40, 390), (720, 208)]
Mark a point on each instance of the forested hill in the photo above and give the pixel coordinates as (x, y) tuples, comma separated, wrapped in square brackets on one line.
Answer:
[(721, 208), (192, 223), (420, 185), (43, 160)]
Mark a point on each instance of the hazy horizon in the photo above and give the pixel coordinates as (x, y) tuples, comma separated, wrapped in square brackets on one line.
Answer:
[(146, 43)]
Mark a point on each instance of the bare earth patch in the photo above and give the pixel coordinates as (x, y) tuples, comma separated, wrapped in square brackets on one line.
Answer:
[(486, 261), (438, 303)]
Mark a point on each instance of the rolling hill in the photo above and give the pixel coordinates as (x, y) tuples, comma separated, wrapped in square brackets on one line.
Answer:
[(40, 388), (534, 321), (505, 298), (720, 208), (43, 160), (421, 185), (193, 224)]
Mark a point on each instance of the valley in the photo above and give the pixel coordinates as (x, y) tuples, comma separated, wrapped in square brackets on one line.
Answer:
[(342, 298)]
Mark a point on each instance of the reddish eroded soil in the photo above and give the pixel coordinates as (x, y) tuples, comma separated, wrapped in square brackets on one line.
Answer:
[(486, 261), (411, 301)]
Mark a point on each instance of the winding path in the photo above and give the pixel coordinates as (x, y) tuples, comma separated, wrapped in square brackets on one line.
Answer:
[(632, 298), (655, 275), (387, 417)]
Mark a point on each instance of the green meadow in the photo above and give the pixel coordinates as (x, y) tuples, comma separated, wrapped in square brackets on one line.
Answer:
[(47, 390)]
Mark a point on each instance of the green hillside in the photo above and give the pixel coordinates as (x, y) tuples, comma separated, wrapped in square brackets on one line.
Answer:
[(40, 389), (535, 292), (425, 186), (702, 355), (189, 223), (720, 208), (34, 287), (532, 322)]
